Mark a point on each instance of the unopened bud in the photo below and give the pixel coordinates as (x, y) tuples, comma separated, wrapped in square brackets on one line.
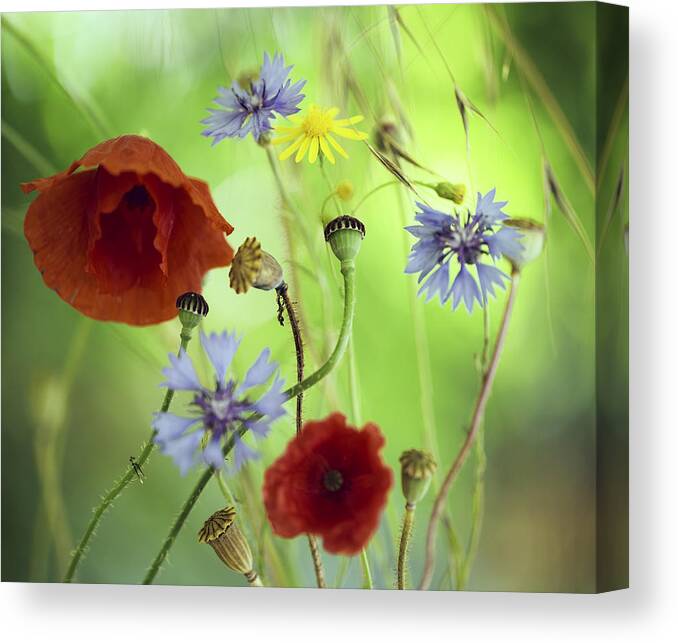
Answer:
[(451, 191), (417, 469), (533, 236)]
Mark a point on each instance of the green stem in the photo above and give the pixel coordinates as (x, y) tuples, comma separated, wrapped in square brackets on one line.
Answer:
[(478, 412), (348, 272), (408, 521), (385, 185), (119, 486), (332, 192), (366, 570)]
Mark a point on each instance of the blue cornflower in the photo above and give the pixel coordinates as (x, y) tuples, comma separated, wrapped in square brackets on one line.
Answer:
[(250, 109), (218, 412), (442, 236)]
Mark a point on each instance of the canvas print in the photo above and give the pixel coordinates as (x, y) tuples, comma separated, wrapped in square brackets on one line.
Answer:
[(329, 297)]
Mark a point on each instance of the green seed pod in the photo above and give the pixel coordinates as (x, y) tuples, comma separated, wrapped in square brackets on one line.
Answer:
[(417, 468), (192, 308), (345, 234), (532, 239), (224, 536), (451, 191)]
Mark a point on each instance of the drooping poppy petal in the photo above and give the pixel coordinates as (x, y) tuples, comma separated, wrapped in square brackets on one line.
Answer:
[(123, 231)]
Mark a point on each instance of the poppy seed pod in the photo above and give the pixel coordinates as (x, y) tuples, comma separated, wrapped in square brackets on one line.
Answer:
[(345, 234), (254, 267), (417, 468), (533, 236), (224, 536), (192, 308)]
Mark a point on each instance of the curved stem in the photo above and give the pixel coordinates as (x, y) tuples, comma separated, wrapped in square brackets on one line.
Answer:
[(119, 486), (299, 351), (408, 521), (385, 185), (348, 271), (478, 412)]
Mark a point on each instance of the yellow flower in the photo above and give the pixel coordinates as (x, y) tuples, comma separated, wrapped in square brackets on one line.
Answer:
[(312, 132)]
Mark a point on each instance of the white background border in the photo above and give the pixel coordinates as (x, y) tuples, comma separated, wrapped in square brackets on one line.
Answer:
[(647, 612)]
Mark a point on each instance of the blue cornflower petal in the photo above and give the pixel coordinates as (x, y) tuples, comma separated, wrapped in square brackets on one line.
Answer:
[(183, 450), (251, 109), (504, 241), (243, 453), (260, 371), (212, 454), (260, 429), (466, 288), (438, 283), (488, 276), (220, 349), (488, 211), (169, 426), (424, 256), (431, 217), (270, 404), (181, 374)]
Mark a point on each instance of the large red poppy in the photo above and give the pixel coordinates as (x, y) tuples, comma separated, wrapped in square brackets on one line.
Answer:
[(123, 231), (332, 482)]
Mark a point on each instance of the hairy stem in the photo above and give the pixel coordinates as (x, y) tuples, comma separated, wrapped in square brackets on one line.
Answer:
[(348, 272), (478, 412), (299, 351), (408, 521), (119, 486)]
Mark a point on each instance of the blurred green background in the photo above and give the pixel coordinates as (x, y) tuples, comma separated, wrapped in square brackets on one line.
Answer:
[(77, 395)]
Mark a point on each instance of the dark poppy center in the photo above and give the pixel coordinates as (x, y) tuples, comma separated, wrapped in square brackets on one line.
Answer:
[(125, 256), (333, 480)]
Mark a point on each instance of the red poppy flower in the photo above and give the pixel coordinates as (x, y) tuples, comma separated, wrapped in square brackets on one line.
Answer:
[(122, 237), (332, 482)]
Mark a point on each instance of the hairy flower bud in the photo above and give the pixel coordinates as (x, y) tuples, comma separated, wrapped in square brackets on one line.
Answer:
[(451, 191), (224, 536), (254, 267), (417, 468), (345, 234), (533, 236)]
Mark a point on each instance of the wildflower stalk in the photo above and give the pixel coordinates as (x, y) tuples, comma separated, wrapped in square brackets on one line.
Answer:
[(348, 272), (120, 485), (478, 412), (299, 351), (408, 521), (357, 418)]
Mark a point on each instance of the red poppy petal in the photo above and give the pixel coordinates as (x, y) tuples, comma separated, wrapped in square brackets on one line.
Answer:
[(56, 226)]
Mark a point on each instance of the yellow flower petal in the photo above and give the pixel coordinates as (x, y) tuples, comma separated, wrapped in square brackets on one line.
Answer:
[(352, 134), (313, 150), (302, 150), (349, 121), (284, 138), (336, 146), (332, 112), (291, 149), (326, 150)]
